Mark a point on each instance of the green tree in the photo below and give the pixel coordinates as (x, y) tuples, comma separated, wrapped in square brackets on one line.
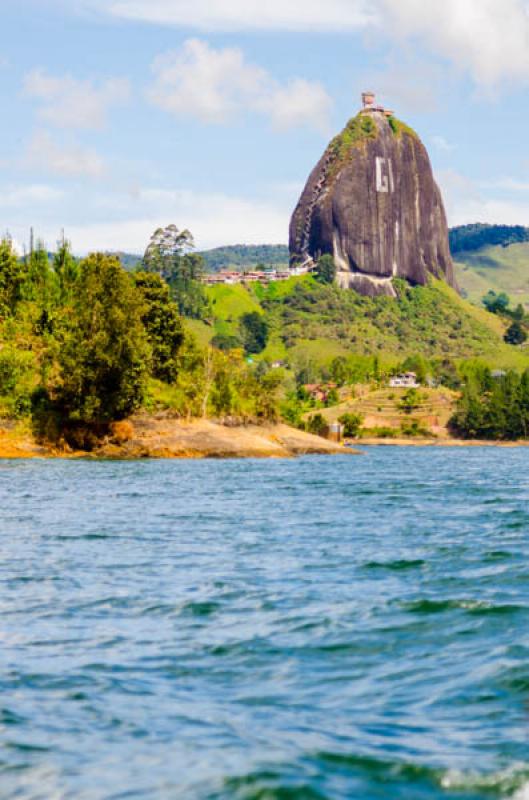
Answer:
[(162, 322), (515, 333), (352, 424), (104, 355), (340, 370), (11, 277), (254, 332), (317, 424), (496, 303), (411, 401), (169, 254), (333, 398), (267, 399), (419, 365), (66, 268), (326, 269), (226, 341), (165, 249)]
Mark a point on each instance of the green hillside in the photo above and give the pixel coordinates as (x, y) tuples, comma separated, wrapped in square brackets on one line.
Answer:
[(500, 268), (313, 322)]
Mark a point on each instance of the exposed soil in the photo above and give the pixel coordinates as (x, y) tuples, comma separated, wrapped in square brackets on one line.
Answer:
[(160, 436)]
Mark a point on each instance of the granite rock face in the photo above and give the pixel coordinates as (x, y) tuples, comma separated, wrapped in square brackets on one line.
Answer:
[(372, 203)]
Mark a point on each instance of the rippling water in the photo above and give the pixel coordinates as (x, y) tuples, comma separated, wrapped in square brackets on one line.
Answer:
[(320, 628)]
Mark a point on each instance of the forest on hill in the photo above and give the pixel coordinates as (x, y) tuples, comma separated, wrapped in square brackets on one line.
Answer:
[(467, 238), (243, 255), (87, 342)]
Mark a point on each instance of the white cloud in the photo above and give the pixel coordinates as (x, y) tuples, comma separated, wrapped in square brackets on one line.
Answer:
[(237, 15), (44, 154), (299, 102), (70, 103), (466, 202), (506, 184), (126, 220), (487, 38), (15, 197), (442, 144), (214, 85), (214, 219)]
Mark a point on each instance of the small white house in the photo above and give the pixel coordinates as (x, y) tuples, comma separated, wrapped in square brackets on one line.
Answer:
[(408, 380)]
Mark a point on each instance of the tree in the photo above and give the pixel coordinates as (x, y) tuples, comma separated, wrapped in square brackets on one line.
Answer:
[(496, 303), (326, 269), (419, 365), (332, 399), (267, 399), (411, 401), (11, 276), (226, 341), (339, 370), (165, 249), (169, 254), (66, 268), (515, 333), (352, 424), (254, 332), (104, 355), (163, 324), (317, 425)]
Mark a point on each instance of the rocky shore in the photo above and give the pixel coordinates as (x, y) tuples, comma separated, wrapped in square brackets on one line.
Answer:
[(160, 436)]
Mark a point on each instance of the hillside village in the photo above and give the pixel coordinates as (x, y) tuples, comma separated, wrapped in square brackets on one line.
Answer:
[(266, 276)]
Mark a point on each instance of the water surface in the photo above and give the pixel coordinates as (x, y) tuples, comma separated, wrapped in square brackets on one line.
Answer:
[(319, 628)]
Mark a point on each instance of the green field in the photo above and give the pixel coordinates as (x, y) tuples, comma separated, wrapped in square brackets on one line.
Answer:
[(502, 269)]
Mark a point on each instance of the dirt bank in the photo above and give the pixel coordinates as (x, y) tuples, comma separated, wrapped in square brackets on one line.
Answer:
[(159, 436)]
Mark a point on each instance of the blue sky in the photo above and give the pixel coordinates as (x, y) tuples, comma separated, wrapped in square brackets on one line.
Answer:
[(122, 115)]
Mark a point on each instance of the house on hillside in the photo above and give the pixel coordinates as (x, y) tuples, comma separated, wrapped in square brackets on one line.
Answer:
[(407, 380), (320, 392)]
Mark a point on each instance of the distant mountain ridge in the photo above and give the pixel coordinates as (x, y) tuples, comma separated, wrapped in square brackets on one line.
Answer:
[(487, 257), (245, 255), (463, 239), (466, 238)]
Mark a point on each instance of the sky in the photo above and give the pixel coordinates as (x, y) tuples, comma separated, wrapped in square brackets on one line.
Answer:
[(120, 116)]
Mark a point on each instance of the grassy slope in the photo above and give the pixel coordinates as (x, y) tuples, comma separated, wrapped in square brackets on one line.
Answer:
[(229, 303), (499, 268), (380, 408), (310, 322)]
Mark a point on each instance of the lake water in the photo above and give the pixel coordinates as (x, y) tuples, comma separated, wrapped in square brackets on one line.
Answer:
[(320, 628)]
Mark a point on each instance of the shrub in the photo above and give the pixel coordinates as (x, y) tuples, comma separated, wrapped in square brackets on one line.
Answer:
[(226, 341), (326, 269), (414, 427), (352, 424), (515, 334), (317, 424)]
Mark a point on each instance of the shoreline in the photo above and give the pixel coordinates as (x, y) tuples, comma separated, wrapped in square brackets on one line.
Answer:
[(159, 436), (400, 442)]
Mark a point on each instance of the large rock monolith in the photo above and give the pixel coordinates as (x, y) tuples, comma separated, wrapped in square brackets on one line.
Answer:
[(373, 204)]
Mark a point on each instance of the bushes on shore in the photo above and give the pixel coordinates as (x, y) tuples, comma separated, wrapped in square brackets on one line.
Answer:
[(85, 343), (493, 406)]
